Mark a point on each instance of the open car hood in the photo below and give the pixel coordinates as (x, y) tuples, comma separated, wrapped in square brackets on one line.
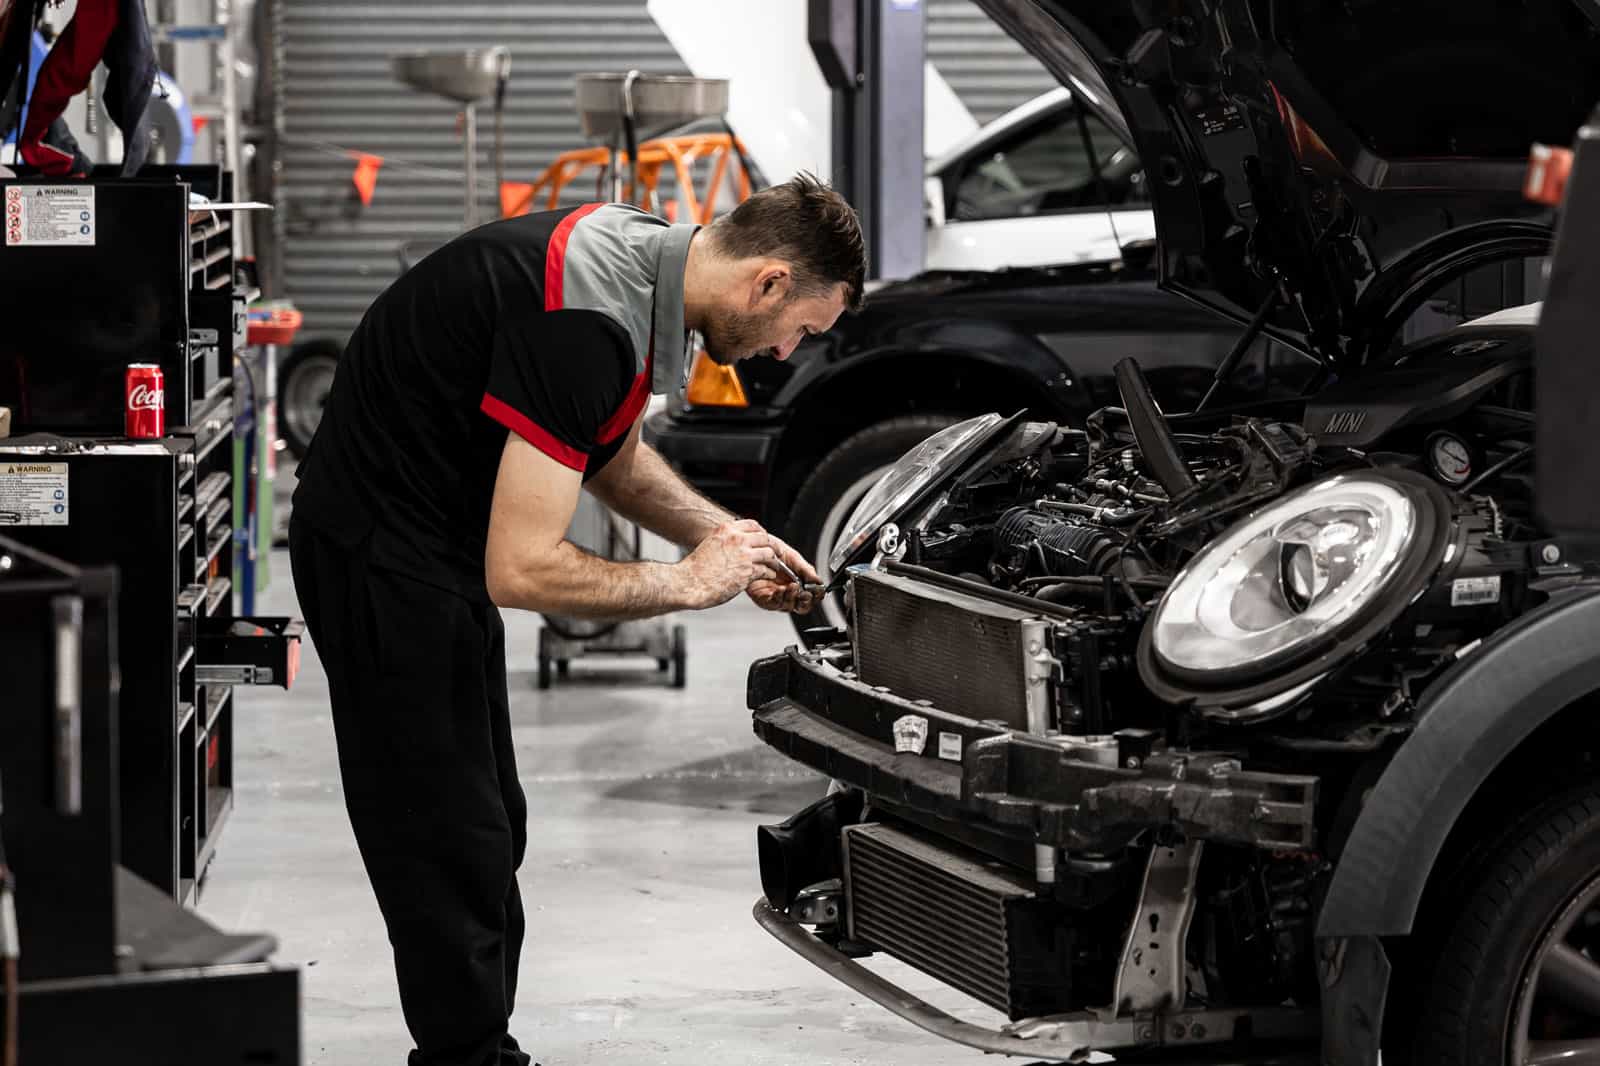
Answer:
[(1338, 159)]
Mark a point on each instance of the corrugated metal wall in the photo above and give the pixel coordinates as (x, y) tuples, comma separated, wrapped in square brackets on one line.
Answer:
[(988, 70), (338, 90)]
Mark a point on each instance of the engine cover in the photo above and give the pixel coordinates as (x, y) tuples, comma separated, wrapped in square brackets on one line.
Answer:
[(1069, 548)]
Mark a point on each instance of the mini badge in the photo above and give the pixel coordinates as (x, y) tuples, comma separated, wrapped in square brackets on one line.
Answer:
[(950, 746), (910, 734)]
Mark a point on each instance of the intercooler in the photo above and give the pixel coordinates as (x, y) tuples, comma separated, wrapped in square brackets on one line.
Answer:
[(973, 925), (965, 654)]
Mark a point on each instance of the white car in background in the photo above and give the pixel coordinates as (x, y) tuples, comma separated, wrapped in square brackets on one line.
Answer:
[(1049, 182)]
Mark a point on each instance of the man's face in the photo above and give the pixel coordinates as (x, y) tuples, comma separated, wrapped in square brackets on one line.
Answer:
[(769, 319)]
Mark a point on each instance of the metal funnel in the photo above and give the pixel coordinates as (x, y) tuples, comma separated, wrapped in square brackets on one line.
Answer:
[(464, 77), (658, 100)]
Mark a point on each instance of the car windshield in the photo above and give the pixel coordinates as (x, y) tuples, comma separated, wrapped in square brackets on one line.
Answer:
[(1047, 169)]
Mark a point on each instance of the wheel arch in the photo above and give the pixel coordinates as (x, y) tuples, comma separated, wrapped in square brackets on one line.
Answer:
[(861, 391), (1525, 696)]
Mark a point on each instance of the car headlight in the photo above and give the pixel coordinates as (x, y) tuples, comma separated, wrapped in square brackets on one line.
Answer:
[(1268, 604), (918, 470)]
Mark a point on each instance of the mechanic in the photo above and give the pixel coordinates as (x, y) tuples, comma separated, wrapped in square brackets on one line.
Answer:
[(418, 515)]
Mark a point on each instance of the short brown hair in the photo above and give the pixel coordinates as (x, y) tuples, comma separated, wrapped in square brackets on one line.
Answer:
[(805, 223)]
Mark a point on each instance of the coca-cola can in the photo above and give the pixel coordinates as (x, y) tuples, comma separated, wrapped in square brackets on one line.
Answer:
[(145, 410)]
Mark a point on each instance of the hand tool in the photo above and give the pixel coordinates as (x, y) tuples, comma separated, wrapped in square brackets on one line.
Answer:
[(812, 587)]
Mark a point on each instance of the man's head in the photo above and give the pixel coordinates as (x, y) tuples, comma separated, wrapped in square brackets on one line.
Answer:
[(782, 265)]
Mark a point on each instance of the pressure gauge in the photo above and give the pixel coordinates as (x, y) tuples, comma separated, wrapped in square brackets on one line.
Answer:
[(1450, 458)]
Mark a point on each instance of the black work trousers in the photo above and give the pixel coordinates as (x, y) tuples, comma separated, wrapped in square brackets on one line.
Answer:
[(417, 682)]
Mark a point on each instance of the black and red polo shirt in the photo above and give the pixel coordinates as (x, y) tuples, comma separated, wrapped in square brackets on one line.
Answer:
[(556, 326)]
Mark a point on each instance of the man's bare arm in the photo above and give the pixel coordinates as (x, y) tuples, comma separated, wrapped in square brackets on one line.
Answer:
[(639, 485), (528, 564), (642, 487)]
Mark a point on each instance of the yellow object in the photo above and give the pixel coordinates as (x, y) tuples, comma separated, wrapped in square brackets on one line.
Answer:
[(713, 385)]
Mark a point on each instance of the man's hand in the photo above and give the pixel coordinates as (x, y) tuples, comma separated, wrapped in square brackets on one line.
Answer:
[(734, 557), (778, 593)]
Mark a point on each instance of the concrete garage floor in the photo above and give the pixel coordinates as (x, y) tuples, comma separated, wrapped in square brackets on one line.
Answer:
[(638, 883)]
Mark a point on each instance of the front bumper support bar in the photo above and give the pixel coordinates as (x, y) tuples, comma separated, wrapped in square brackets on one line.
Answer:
[(1067, 1038), (921, 1013), (1028, 787)]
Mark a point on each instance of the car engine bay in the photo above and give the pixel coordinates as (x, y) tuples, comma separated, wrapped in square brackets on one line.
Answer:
[(1094, 525), (1168, 651)]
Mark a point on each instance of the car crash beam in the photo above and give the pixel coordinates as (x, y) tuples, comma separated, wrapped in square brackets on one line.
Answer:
[(1064, 1038), (1032, 788)]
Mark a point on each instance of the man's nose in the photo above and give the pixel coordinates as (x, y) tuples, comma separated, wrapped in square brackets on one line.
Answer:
[(783, 351)]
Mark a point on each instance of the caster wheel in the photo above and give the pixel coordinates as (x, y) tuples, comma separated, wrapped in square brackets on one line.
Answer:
[(562, 666), (680, 657), (544, 658)]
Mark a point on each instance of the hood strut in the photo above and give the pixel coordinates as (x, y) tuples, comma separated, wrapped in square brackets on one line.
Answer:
[(1230, 363)]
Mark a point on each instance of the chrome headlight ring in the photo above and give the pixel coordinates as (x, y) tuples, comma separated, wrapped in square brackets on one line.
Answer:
[(1292, 591), (911, 478)]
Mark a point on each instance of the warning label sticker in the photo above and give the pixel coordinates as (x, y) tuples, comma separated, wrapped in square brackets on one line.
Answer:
[(33, 494), (1472, 591), (49, 214)]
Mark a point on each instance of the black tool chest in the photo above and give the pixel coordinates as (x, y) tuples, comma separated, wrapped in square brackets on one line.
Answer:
[(111, 968), (157, 286)]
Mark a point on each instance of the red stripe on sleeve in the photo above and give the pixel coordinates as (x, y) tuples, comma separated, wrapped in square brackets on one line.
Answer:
[(639, 395), (524, 427), (556, 254)]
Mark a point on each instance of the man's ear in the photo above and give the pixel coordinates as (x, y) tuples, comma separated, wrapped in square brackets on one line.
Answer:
[(773, 282)]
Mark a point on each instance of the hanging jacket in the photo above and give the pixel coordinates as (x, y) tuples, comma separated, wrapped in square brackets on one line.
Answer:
[(58, 135), (17, 24), (111, 31)]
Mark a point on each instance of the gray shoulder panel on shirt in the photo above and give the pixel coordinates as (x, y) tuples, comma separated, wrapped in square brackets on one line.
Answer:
[(610, 267)]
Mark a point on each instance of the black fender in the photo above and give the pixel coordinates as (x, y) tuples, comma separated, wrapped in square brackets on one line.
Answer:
[(1018, 360), (1468, 723), (826, 400)]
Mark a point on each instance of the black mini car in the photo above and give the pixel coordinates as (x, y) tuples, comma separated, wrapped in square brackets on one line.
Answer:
[(1243, 730)]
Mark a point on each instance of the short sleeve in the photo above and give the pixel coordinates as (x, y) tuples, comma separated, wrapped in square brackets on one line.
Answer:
[(556, 378)]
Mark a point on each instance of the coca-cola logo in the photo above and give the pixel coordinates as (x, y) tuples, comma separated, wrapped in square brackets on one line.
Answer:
[(144, 398)]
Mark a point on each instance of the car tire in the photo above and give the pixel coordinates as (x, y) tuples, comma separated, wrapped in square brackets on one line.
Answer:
[(833, 489), (304, 378), (1514, 972)]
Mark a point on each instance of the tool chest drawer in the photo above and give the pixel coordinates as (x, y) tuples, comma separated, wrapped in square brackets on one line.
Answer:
[(249, 651)]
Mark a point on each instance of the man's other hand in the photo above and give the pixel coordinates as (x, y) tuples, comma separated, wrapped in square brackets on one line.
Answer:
[(735, 556), (778, 593)]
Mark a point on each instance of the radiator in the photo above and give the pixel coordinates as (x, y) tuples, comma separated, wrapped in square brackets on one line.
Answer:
[(965, 654), (971, 924)]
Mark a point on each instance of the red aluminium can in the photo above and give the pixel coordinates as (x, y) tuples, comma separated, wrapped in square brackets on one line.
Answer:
[(144, 409)]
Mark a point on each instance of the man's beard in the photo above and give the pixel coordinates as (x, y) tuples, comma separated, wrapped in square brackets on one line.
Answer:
[(731, 336)]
